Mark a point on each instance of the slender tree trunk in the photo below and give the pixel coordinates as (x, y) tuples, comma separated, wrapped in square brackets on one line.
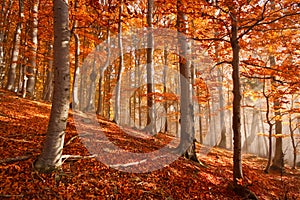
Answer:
[(102, 70), (230, 119), (31, 69), (75, 91), (92, 84), (245, 127), (4, 22), (50, 159), (278, 159), (267, 168), (165, 88), (250, 139), (223, 141), (48, 88), (150, 70), (236, 119), (292, 135), (121, 68), (15, 52), (277, 163)]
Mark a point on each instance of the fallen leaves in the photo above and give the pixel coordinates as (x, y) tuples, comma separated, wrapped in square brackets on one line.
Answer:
[(22, 132)]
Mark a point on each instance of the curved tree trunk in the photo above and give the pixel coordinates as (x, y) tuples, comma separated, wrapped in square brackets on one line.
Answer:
[(50, 159)]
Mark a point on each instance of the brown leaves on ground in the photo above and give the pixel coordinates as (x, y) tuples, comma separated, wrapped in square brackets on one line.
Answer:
[(23, 125)]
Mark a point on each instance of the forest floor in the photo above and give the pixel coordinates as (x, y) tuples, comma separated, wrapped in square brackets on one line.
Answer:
[(23, 126)]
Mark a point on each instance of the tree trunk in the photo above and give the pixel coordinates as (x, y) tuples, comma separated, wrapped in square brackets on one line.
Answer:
[(121, 68), (150, 126), (292, 135), (50, 158), (266, 170), (165, 88), (236, 119), (4, 22), (102, 70), (250, 139), (48, 87), (245, 126), (15, 52), (31, 69), (187, 134), (75, 91), (277, 162)]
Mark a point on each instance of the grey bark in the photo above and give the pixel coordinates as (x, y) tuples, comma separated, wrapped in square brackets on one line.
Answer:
[(31, 69), (102, 70), (187, 134), (50, 158), (150, 69), (15, 51), (121, 68)]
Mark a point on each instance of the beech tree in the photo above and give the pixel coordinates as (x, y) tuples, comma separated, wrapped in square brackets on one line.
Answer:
[(31, 69), (187, 134), (50, 158), (15, 52), (150, 69)]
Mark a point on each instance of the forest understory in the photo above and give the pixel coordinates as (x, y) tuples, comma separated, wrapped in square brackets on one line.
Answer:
[(23, 125)]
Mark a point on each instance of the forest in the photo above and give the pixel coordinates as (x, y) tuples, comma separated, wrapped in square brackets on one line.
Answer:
[(149, 99)]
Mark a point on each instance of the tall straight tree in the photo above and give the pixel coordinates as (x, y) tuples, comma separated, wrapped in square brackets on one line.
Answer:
[(236, 107), (31, 70), (15, 52), (50, 158), (121, 66), (150, 69), (277, 162), (187, 135), (75, 93)]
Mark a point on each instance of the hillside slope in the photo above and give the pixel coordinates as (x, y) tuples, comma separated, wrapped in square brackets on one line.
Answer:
[(23, 125)]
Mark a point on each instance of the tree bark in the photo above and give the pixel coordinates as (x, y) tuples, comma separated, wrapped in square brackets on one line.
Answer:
[(121, 68), (50, 158), (165, 88), (31, 69), (277, 162), (75, 92), (102, 70), (187, 134), (15, 52), (48, 87), (150, 70), (236, 119)]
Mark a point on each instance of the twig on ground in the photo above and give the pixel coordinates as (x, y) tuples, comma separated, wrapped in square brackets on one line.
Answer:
[(16, 140), (19, 158), (75, 157)]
